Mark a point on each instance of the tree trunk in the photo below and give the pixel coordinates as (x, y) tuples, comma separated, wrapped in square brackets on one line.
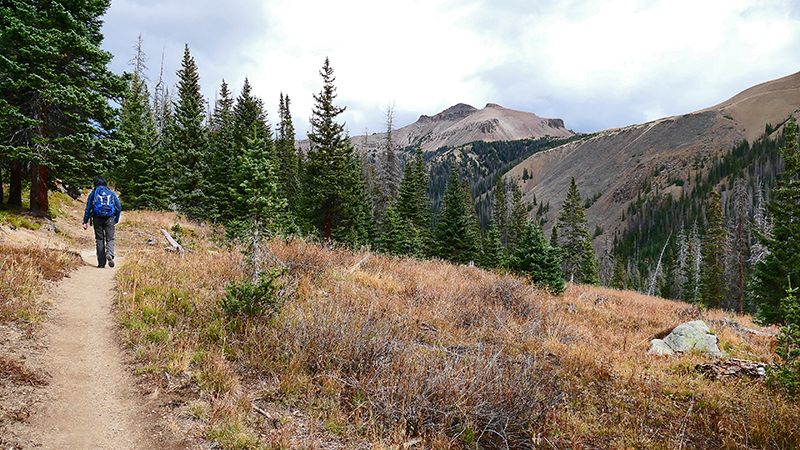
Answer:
[(2, 192), (39, 201), (15, 186)]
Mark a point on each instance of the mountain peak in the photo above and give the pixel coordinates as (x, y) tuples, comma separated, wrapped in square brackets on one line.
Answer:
[(453, 113)]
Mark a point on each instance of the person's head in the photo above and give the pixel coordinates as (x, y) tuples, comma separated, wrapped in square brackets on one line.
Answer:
[(100, 181)]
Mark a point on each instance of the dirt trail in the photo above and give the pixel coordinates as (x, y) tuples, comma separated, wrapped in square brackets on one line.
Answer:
[(91, 401)]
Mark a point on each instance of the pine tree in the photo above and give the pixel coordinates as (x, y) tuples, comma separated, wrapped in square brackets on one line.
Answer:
[(189, 150), (249, 114), (780, 267), (535, 258), (500, 211), (287, 155), (494, 253), (618, 279), (712, 283), (140, 177), (266, 207), (689, 288), (580, 263), (55, 93), (400, 237), (335, 195), (389, 175), (518, 222), (455, 238), (413, 201), (224, 164)]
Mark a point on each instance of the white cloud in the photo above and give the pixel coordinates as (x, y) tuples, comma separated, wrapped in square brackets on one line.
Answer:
[(596, 63)]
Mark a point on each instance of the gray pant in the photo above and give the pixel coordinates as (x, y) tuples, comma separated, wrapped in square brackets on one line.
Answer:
[(104, 238)]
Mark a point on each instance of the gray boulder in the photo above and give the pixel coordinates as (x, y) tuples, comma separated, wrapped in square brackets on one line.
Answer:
[(692, 336)]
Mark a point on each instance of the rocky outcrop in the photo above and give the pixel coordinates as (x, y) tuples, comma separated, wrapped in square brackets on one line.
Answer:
[(692, 336)]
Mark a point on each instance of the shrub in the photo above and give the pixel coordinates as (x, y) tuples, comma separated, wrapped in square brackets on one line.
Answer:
[(787, 375), (252, 298)]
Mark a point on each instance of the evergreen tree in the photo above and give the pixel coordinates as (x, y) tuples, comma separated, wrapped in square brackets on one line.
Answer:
[(689, 287), (667, 289), (518, 222), (389, 175), (712, 281), (189, 144), (400, 237), (780, 267), (455, 237), (494, 253), (618, 279), (500, 211), (413, 202), (266, 207), (55, 92), (576, 242), (224, 164), (335, 195), (140, 177), (788, 374), (535, 258), (287, 155), (250, 127), (249, 113)]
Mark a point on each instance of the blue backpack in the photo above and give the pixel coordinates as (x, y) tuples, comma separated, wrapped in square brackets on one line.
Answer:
[(103, 202)]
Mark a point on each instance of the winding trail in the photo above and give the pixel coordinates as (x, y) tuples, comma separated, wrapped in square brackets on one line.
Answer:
[(91, 401)]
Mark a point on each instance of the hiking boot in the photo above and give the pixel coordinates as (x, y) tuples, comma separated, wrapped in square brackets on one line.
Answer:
[(110, 261)]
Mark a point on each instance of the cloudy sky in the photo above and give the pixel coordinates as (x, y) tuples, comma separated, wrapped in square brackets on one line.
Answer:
[(597, 64)]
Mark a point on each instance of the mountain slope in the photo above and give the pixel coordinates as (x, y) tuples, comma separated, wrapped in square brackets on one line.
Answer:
[(615, 165), (461, 124)]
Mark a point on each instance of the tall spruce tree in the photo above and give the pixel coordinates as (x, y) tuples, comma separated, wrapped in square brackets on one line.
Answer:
[(577, 251), (335, 197), (287, 155), (454, 236), (500, 210), (518, 221), (713, 290), (780, 266), (189, 150), (494, 253), (55, 88), (250, 127), (140, 176), (266, 208), (535, 258), (413, 202), (224, 165), (389, 175)]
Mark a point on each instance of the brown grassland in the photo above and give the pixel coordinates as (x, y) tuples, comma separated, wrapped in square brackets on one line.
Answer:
[(369, 351)]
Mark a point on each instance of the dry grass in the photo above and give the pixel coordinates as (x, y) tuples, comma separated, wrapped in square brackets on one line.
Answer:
[(24, 272), (372, 351)]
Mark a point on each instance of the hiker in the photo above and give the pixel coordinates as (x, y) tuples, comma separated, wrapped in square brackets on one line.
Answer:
[(103, 207)]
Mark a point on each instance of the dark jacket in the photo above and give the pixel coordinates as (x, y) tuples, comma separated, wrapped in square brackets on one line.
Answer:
[(90, 206)]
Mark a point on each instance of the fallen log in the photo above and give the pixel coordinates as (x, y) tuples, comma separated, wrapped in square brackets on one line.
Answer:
[(176, 247), (733, 368)]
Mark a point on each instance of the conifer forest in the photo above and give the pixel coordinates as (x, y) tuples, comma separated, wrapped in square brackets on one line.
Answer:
[(730, 240)]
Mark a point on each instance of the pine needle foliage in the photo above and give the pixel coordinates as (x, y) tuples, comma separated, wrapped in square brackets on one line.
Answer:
[(782, 261)]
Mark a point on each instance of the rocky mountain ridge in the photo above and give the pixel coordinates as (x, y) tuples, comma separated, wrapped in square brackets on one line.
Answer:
[(462, 123), (613, 165)]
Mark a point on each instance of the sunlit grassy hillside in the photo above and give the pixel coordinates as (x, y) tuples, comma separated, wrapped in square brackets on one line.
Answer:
[(368, 351)]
